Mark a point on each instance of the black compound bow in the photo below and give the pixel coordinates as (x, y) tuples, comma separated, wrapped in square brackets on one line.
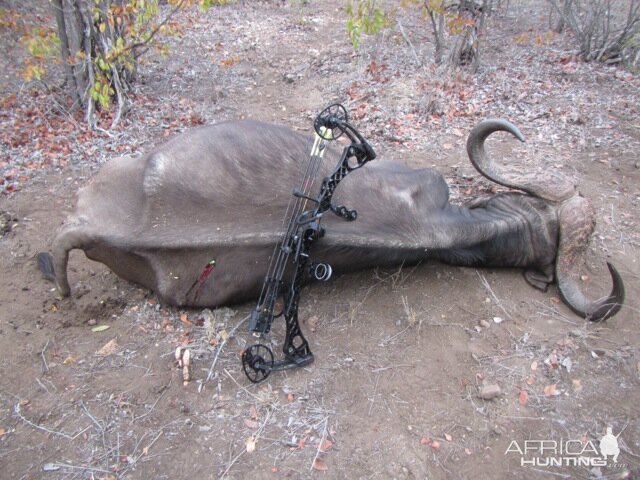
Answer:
[(279, 296)]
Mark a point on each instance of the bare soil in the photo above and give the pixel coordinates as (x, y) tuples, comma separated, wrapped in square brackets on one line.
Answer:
[(400, 354)]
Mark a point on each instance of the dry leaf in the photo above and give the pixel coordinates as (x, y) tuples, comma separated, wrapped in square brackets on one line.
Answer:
[(467, 451), (250, 443), (448, 437), (108, 348), (291, 397), (447, 146), (552, 360), (531, 380), (523, 397), (69, 360), (550, 390), (185, 319), (301, 443), (253, 412), (250, 423), (555, 300), (320, 465), (325, 445), (2, 432), (425, 441), (577, 384), (435, 444), (534, 365), (567, 363), (312, 322)]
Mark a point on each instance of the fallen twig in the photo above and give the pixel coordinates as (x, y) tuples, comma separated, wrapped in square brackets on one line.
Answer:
[(52, 467), (486, 285), (45, 367), (406, 39), (324, 437), (388, 340), (219, 350), (93, 419), (152, 407), (240, 386), (256, 436), (16, 410)]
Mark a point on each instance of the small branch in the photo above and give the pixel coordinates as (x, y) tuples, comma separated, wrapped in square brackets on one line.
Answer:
[(93, 419), (406, 39), (52, 467), (402, 365), (256, 436), (486, 285), (154, 32), (324, 437), (148, 447), (388, 340), (45, 367), (219, 350), (16, 410), (151, 409), (240, 386)]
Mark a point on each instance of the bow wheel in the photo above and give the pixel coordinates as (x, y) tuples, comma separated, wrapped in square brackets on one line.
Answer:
[(332, 119), (257, 362)]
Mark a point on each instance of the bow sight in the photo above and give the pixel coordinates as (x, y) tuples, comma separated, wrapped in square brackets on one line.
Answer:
[(280, 297)]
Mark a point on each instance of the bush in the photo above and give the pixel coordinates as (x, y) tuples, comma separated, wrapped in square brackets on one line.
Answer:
[(455, 25), (100, 42), (605, 30)]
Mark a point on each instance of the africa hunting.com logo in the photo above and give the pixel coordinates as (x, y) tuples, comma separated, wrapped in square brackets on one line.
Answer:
[(567, 453)]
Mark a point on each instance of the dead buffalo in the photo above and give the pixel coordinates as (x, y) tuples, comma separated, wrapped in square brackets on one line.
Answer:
[(219, 192)]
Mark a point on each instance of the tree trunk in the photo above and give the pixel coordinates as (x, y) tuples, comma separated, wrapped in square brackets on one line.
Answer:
[(65, 53), (87, 34)]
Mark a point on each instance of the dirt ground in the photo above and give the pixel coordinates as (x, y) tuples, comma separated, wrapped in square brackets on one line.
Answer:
[(400, 354)]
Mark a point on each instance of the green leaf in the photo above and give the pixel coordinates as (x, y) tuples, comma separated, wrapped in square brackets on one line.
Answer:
[(100, 328)]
